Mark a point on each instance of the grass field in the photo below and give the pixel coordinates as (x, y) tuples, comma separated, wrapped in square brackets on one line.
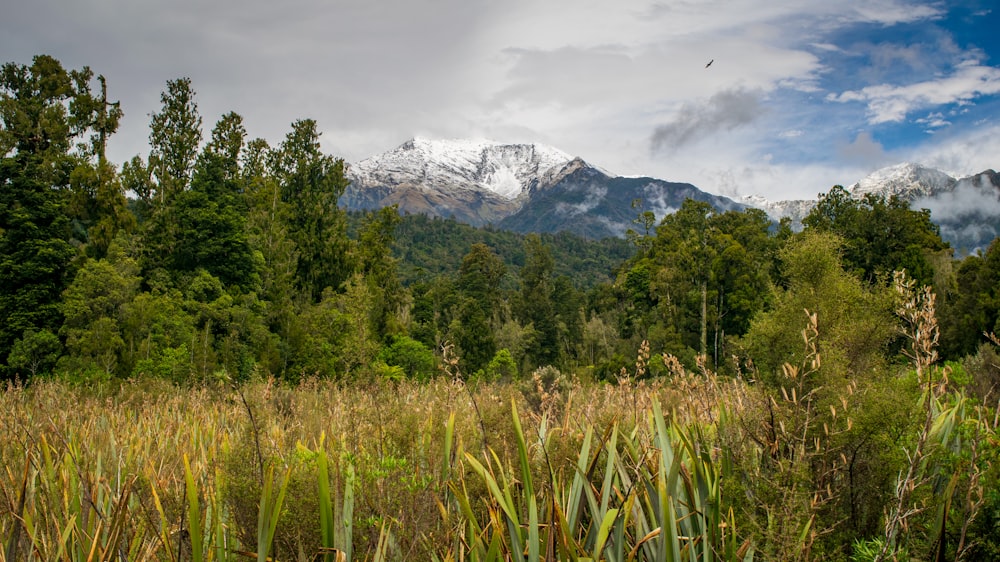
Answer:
[(687, 467)]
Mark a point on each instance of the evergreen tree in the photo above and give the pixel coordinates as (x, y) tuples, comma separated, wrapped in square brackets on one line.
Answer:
[(536, 303), (378, 266), (311, 183), (175, 133), (43, 109), (212, 225), (174, 137), (972, 306)]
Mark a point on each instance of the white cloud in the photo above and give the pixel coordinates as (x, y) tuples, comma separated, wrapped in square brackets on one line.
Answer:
[(961, 153), (887, 103)]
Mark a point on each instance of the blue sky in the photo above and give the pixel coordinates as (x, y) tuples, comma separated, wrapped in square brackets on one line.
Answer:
[(802, 94)]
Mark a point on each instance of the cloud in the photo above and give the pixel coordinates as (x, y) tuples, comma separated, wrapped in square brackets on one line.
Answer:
[(864, 150), (972, 197), (934, 120), (725, 110), (887, 103), (590, 202)]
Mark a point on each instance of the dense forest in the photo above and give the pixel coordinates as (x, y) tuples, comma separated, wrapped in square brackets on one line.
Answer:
[(219, 259)]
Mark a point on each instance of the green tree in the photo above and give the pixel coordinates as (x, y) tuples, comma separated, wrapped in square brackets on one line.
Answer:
[(537, 306), (702, 279), (972, 306), (311, 183), (378, 266), (174, 137), (473, 335), (93, 307), (880, 236), (175, 134), (267, 226), (412, 356), (211, 216), (35, 353), (856, 325), (43, 109), (98, 204), (480, 275)]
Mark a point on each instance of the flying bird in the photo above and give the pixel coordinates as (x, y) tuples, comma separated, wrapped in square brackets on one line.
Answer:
[(709, 63)]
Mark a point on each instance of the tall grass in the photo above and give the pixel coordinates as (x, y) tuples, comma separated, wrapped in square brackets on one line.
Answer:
[(664, 470)]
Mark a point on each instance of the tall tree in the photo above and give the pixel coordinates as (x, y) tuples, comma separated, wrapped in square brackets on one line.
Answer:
[(972, 306), (98, 207), (311, 183), (267, 223), (880, 235), (43, 110), (174, 136), (210, 217), (536, 304), (478, 307), (378, 266)]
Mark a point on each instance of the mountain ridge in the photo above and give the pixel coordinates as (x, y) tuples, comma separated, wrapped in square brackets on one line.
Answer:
[(532, 187), (966, 209)]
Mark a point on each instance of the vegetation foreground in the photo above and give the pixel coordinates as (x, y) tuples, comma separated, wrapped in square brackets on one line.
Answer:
[(690, 466)]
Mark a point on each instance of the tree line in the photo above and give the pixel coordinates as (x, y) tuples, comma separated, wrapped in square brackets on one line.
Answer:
[(220, 256)]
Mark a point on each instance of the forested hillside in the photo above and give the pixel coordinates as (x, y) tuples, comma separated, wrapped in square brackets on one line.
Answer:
[(222, 258)]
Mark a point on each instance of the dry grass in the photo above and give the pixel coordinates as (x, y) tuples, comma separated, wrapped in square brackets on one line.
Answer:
[(119, 452), (389, 470)]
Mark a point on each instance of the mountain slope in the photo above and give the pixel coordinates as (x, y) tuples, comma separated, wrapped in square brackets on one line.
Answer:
[(520, 187), (476, 181), (591, 203), (966, 209)]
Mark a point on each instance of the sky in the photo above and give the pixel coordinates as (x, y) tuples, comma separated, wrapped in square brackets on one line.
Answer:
[(800, 94)]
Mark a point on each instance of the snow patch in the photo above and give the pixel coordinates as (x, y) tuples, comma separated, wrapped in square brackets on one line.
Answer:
[(506, 170)]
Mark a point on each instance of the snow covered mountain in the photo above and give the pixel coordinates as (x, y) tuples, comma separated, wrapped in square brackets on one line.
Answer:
[(503, 169), (907, 181), (536, 188), (966, 209), (520, 187), (477, 181)]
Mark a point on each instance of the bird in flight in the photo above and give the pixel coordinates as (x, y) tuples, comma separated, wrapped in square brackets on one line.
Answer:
[(709, 63)]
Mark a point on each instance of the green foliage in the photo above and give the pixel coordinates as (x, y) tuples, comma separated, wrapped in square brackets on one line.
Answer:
[(428, 247), (879, 236), (502, 367), (35, 353), (174, 136), (310, 183), (43, 109), (856, 322), (414, 358), (972, 305), (537, 307)]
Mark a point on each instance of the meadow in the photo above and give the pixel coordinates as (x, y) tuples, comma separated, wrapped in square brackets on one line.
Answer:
[(690, 466)]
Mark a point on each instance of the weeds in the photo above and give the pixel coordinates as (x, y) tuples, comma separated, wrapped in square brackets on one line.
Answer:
[(690, 467)]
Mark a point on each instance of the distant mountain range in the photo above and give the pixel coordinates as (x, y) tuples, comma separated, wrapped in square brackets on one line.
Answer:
[(536, 188), (519, 187), (966, 209)]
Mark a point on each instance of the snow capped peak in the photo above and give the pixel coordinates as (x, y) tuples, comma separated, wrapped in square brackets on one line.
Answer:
[(906, 180), (506, 170)]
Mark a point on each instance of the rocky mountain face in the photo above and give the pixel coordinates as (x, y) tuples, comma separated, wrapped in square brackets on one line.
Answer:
[(535, 188), (594, 204), (477, 182), (966, 209), (519, 187)]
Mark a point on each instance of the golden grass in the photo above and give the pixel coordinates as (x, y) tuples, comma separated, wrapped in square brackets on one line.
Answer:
[(100, 474)]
